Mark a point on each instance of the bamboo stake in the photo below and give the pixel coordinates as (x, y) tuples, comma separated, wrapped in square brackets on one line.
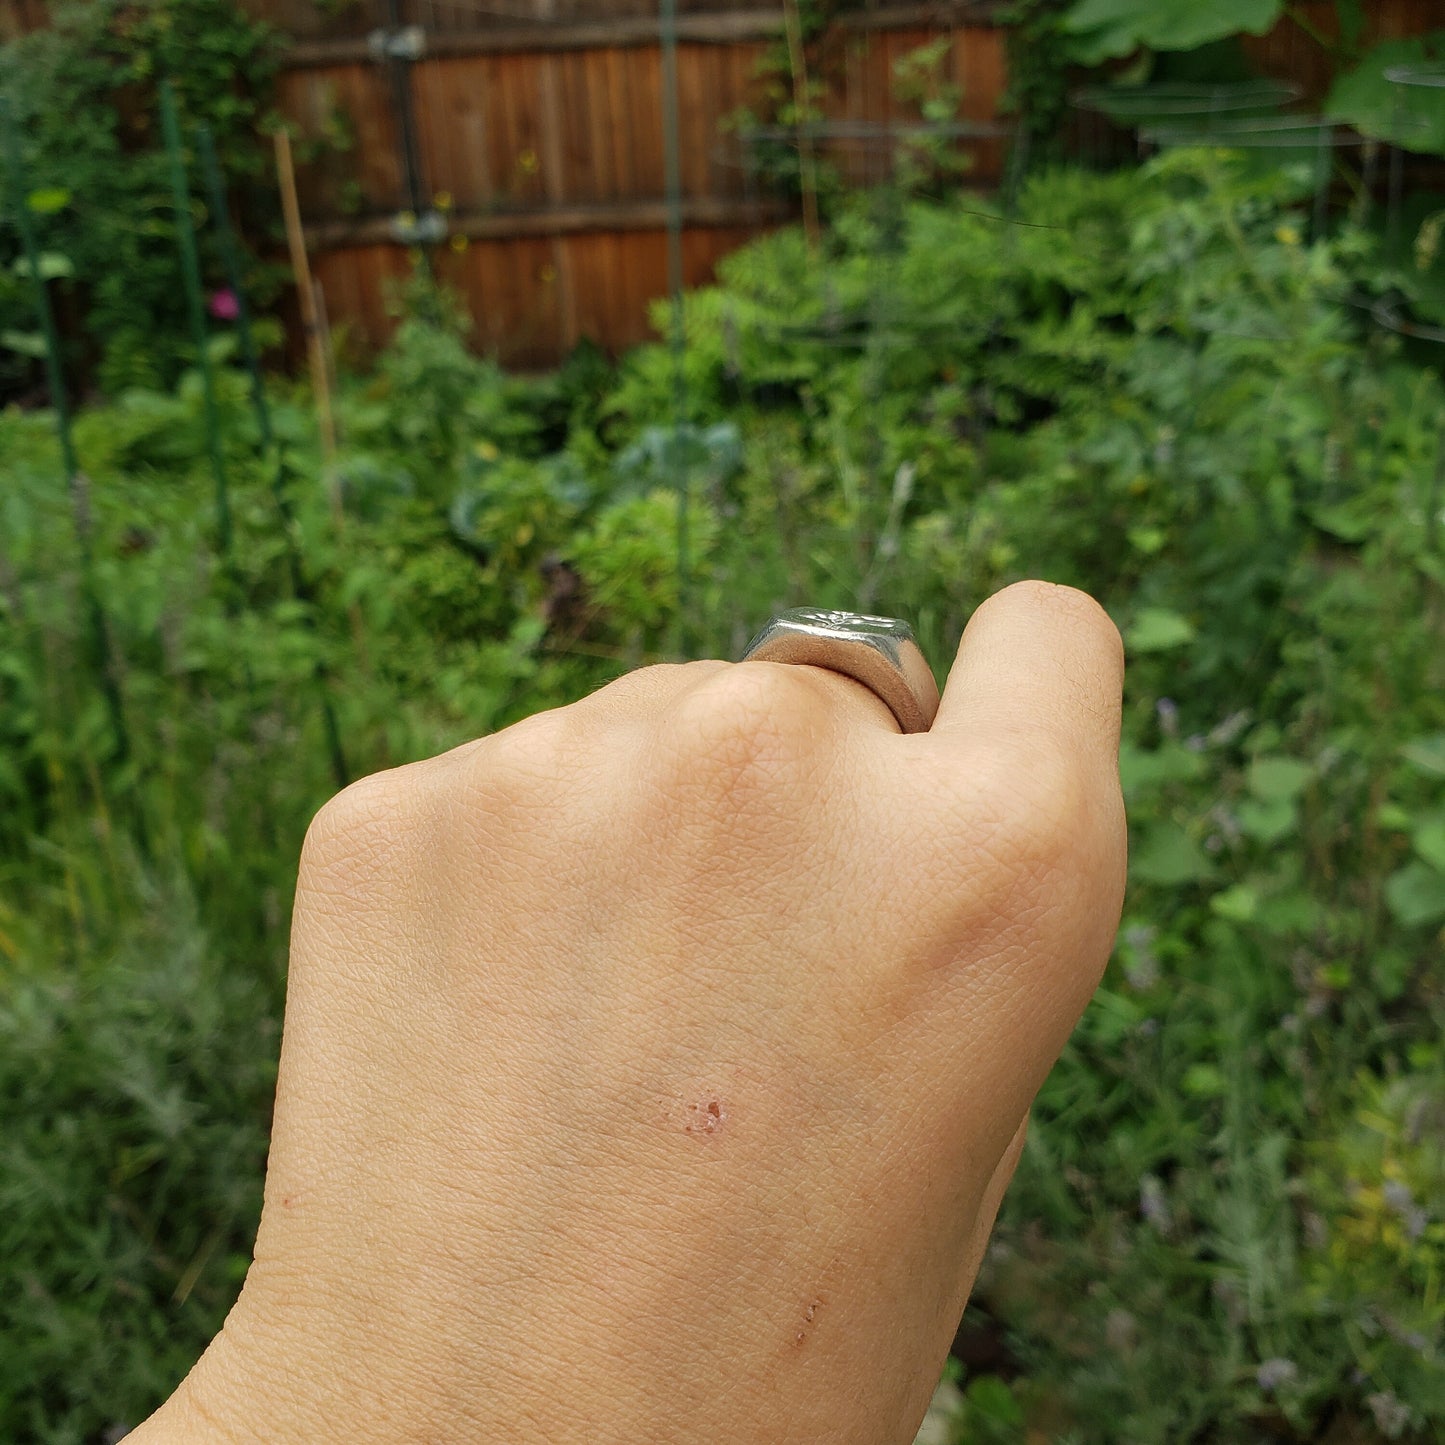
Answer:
[(306, 295), (300, 587), (328, 354), (313, 320)]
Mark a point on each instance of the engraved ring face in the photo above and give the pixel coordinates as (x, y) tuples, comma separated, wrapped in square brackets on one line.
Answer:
[(879, 652)]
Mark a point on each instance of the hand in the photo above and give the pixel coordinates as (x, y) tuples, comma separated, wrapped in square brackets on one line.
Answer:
[(653, 1069)]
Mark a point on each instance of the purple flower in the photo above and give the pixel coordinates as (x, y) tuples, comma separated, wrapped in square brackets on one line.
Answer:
[(1392, 1416), (1272, 1374), (225, 305), (1402, 1202), (1153, 1206)]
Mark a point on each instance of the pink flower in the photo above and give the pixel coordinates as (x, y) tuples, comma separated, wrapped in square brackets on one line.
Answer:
[(225, 305)]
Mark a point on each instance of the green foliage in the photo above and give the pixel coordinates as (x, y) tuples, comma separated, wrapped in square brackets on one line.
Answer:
[(84, 91), (137, 1096), (1410, 116), (1102, 29), (1038, 71), (1226, 1224)]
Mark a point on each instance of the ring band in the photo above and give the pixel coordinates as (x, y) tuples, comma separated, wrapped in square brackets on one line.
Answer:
[(879, 652)]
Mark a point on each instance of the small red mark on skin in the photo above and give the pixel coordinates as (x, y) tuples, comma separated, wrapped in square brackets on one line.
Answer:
[(705, 1118), (809, 1315)]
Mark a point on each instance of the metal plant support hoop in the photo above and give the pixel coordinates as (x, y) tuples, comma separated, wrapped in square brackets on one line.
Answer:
[(1317, 136), (1407, 77), (1386, 313), (1122, 108)]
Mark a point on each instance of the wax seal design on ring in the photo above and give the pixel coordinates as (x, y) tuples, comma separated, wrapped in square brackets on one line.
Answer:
[(879, 652)]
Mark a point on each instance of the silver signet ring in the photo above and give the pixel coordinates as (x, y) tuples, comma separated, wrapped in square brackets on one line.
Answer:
[(879, 652)]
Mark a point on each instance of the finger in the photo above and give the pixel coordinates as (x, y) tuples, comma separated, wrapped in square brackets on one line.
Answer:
[(1037, 660)]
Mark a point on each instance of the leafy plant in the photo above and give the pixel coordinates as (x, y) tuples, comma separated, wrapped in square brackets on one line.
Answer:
[(1369, 98), (1150, 386), (1104, 29), (84, 93)]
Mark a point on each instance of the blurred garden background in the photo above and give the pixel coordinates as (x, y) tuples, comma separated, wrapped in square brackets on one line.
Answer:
[(548, 341)]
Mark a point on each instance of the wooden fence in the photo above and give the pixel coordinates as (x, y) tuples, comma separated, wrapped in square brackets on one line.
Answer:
[(530, 135), (540, 141)]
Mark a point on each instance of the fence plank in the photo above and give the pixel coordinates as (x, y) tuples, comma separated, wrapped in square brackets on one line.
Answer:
[(567, 32)]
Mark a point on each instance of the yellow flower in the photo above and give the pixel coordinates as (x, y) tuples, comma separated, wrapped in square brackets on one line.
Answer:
[(1287, 235), (442, 200), (486, 451)]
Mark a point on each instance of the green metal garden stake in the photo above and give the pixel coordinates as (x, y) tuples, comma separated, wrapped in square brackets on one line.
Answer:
[(1324, 151), (103, 653), (231, 260), (54, 375), (191, 270), (672, 169)]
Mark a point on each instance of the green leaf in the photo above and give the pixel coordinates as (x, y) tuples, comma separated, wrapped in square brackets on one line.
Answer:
[(1278, 779), (1427, 754), (52, 266), (1156, 629), (1112, 28), (1142, 771), (1291, 912), (1416, 894), (1204, 1081), (992, 1399), (1169, 857), (1405, 115), (1112, 1017), (1429, 840), (1238, 904), (1352, 521), (1390, 970), (48, 200), (27, 343), (1393, 817), (1266, 820)]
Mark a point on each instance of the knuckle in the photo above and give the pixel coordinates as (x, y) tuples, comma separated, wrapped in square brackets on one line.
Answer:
[(753, 724), (517, 770), (362, 821)]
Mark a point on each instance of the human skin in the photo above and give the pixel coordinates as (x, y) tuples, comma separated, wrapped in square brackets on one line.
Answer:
[(653, 1069)]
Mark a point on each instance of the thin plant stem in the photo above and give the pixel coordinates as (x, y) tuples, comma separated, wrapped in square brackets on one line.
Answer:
[(195, 306)]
